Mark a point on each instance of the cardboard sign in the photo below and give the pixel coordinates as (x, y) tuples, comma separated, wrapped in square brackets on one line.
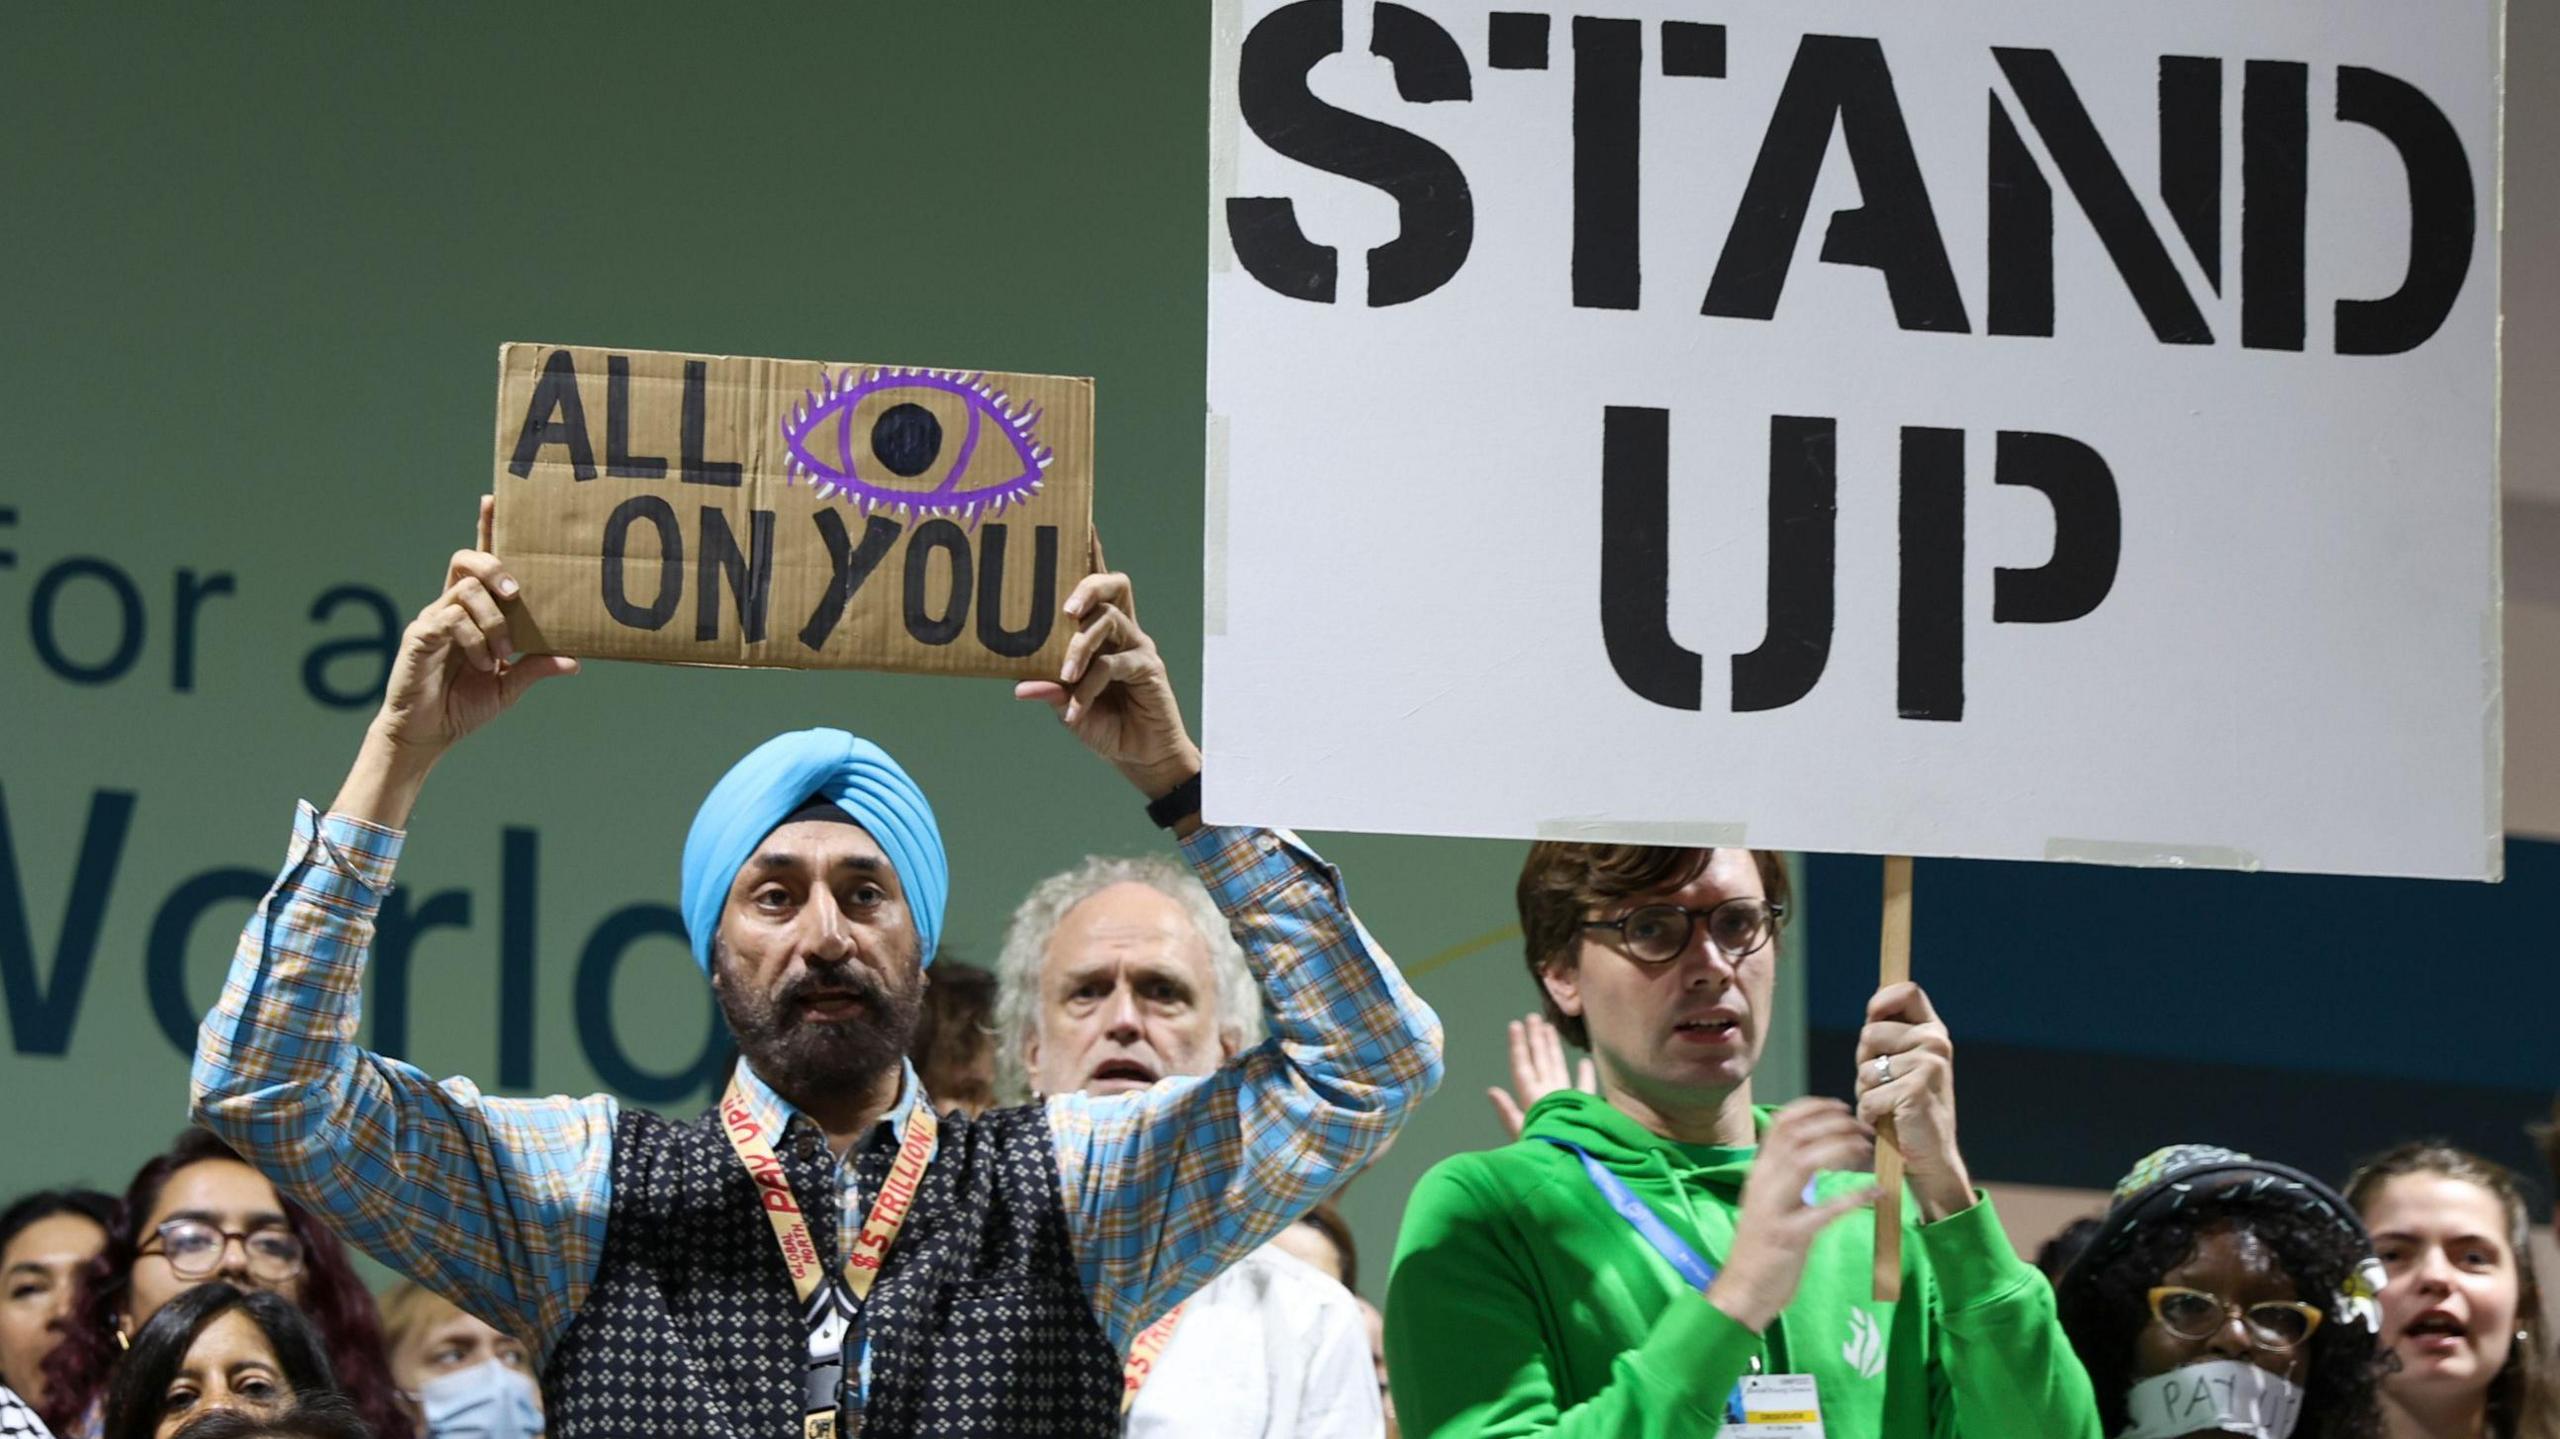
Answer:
[(2008, 429), (712, 509)]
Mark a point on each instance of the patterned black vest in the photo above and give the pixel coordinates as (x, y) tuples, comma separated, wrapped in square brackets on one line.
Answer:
[(978, 1324)]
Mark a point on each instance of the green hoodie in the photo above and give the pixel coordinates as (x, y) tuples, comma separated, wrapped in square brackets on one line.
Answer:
[(1522, 1304)]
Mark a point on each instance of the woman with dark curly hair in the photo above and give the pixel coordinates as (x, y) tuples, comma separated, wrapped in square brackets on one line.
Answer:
[(214, 1347), (197, 1213), (2226, 1295), (2461, 1315)]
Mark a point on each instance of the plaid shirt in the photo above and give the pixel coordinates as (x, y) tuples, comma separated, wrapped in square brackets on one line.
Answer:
[(500, 1203)]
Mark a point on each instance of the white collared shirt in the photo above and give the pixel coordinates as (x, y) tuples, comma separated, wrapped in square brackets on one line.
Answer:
[(1272, 1348)]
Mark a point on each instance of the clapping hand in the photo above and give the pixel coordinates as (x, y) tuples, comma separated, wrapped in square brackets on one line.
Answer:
[(1537, 1070)]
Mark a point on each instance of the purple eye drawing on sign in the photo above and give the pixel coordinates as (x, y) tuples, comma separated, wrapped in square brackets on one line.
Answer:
[(921, 442)]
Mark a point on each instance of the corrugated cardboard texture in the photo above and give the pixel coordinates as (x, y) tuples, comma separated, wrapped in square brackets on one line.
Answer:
[(723, 510)]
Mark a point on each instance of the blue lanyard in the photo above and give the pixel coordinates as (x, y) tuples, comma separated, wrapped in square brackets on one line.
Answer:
[(1675, 1251)]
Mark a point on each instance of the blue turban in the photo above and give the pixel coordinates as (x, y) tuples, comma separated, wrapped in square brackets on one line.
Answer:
[(781, 775)]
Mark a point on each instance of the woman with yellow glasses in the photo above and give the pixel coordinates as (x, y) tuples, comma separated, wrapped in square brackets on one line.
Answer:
[(2227, 1295)]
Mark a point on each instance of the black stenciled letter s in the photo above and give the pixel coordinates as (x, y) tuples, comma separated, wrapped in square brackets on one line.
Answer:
[(1435, 211)]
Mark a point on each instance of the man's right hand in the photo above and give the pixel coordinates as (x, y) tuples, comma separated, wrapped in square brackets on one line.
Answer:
[(452, 675), (1775, 1229)]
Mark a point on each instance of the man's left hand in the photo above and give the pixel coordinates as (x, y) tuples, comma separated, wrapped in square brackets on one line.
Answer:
[(1113, 690), (1913, 1093)]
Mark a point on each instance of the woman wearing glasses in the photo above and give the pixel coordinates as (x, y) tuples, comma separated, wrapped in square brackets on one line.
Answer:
[(193, 1214), (1665, 1257), (2227, 1295)]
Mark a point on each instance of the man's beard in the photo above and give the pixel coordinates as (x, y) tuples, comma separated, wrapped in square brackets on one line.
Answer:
[(804, 1057)]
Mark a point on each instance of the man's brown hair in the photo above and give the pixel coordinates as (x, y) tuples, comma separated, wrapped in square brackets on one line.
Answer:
[(1326, 1220), (1562, 885), (959, 1014)]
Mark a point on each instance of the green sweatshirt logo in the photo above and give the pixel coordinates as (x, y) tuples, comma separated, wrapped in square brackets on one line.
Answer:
[(1865, 1349)]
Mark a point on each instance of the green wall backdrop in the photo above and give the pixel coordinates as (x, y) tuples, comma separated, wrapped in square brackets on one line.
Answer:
[(259, 262)]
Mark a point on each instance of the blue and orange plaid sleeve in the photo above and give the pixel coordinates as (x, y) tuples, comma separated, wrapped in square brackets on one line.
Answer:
[(498, 1204), (1168, 1186)]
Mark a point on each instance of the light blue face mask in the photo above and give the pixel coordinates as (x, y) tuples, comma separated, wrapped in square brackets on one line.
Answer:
[(489, 1400)]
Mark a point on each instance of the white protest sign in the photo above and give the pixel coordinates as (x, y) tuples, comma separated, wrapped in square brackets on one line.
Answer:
[(2010, 429)]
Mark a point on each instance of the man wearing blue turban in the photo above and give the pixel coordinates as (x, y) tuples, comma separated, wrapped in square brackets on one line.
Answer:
[(820, 1254)]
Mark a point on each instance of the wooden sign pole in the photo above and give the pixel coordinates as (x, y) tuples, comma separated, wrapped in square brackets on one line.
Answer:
[(1893, 966)]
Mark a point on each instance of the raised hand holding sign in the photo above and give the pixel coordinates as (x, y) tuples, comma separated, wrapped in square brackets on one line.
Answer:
[(456, 670), (1112, 690)]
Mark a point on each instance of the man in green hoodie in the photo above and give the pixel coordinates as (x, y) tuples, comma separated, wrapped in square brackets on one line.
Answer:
[(1665, 1260)]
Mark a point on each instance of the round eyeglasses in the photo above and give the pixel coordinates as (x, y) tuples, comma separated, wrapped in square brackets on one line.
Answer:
[(1658, 933), (2193, 1314), (194, 1250)]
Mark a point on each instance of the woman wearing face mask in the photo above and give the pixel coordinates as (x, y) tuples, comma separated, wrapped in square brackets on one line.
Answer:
[(215, 1347), (463, 1379), (197, 1213), (2461, 1314), (2226, 1295), (46, 1239)]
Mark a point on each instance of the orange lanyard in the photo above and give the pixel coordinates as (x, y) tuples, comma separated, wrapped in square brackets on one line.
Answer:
[(1143, 1353), (833, 1311)]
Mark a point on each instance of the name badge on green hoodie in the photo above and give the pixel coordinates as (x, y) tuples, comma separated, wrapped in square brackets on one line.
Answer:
[(1779, 1406)]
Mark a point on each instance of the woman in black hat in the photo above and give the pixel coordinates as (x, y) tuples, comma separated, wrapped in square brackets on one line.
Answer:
[(2227, 1295)]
